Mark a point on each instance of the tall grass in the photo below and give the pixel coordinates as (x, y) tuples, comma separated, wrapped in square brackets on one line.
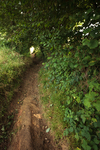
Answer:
[(53, 108), (12, 66)]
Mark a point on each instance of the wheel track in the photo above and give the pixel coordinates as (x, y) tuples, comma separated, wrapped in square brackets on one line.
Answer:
[(31, 132)]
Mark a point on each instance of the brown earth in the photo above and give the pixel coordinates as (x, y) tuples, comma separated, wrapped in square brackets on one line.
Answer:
[(29, 131)]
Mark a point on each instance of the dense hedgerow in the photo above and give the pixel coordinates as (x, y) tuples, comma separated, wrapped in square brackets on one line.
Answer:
[(74, 70), (80, 86)]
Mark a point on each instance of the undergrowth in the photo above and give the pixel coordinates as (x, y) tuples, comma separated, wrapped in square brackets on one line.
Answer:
[(12, 67), (71, 98), (53, 108)]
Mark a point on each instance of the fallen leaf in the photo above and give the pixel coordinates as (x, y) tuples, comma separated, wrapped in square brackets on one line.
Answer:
[(47, 130)]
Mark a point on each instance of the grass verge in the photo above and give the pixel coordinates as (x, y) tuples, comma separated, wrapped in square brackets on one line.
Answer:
[(12, 67), (53, 110)]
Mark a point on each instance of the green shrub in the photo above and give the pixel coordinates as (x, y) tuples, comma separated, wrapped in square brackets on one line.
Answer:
[(74, 85)]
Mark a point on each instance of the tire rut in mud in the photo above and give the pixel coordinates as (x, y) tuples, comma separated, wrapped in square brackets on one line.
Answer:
[(30, 125), (40, 139)]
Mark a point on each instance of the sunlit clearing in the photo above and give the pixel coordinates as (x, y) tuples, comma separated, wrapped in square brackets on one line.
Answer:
[(31, 50)]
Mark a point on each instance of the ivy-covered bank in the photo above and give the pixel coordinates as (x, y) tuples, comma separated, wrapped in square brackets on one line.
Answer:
[(78, 90), (73, 73)]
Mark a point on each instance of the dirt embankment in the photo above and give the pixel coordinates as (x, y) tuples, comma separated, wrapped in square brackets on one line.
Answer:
[(30, 127)]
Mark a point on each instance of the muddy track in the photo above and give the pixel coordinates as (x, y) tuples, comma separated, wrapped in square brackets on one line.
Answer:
[(30, 126)]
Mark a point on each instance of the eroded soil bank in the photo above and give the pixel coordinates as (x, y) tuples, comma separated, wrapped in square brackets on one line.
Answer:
[(29, 131)]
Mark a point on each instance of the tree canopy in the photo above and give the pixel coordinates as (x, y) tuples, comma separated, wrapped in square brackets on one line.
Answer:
[(47, 22)]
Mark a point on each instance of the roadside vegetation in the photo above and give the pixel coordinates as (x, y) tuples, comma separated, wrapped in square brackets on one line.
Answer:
[(71, 101), (12, 67)]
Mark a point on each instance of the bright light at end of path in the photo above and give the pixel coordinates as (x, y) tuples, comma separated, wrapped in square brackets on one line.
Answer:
[(31, 50)]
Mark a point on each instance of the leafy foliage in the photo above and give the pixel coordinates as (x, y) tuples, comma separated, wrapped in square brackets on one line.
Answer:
[(73, 68), (12, 66), (80, 97)]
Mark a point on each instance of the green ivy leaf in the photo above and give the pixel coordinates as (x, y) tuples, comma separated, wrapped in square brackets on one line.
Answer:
[(38, 24), (97, 105), (96, 141), (93, 44), (70, 47), (66, 132), (88, 136), (85, 41), (85, 145), (94, 34), (97, 17), (95, 147), (54, 64), (87, 103), (83, 118), (87, 58), (87, 30), (49, 58), (94, 119), (92, 63), (97, 124), (71, 129), (78, 99), (76, 136)]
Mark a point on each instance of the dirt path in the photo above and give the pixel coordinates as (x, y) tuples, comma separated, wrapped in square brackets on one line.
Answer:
[(30, 127)]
